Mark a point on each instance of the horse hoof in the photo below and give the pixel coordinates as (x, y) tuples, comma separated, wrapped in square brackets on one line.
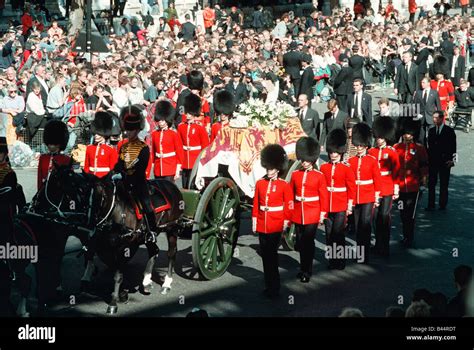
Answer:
[(165, 290), (112, 309), (123, 297)]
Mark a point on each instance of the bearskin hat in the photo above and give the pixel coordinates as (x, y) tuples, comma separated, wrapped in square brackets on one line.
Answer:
[(384, 128), (3, 145), (192, 104), (164, 110), (195, 80), (102, 124), (274, 157), (410, 126), (224, 102), (361, 135), (131, 118), (56, 133), (307, 149), (441, 66), (336, 141)]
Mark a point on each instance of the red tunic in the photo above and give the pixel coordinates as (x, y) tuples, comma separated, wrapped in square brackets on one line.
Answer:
[(311, 196), (45, 166), (368, 178), (100, 159), (413, 165), (216, 127), (389, 165), (272, 205), (341, 185), (445, 90), (194, 138), (167, 152)]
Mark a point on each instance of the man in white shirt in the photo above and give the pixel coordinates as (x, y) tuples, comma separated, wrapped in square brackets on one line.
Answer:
[(56, 97)]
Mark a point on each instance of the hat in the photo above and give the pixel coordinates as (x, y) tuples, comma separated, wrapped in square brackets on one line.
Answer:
[(56, 133), (274, 157), (410, 126), (3, 145), (192, 104), (384, 128), (164, 110), (236, 74), (195, 80), (361, 135), (424, 40), (102, 124), (293, 45), (131, 118), (224, 102), (336, 141), (307, 149), (441, 66), (306, 58), (355, 48)]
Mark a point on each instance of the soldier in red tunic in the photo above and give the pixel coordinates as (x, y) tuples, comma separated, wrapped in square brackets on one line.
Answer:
[(368, 186), (223, 107), (341, 187), (272, 206), (413, 173), (193, 136), (311, 203), (167, 148), (55, 137), (389, 165), (100, 157), (444, 87)]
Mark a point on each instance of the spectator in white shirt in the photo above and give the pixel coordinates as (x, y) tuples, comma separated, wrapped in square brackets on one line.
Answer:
[(34, 103), (57, 97)]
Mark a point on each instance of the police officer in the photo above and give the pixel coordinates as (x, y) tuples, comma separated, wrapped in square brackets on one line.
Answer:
[(272, 205)]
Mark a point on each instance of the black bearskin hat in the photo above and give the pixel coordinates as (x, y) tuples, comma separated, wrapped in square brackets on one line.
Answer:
[(56, 133), (192, 105), (441, 66), (307, 149), (274, 157), (164, 110), (361, 135), (410, 126), (3, 145), (336, 141), (224, 102), (131, 118), (384, 128), (195, 80), (102, 124)]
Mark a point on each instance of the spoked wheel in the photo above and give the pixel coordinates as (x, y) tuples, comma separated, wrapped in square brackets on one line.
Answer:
[(289, 236), (216, 227)]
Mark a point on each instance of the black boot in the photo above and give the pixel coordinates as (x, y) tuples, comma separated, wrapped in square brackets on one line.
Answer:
[(151, 223)]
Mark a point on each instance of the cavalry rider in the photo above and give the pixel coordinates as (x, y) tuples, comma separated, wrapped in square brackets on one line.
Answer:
[(413, 173), (224, 108), (167, 148), (389, 164), (311, 203), (55, 137), (272, 206), (340, 180), (193, 136), (444, 87), (368, 186), (132, 163), (100, 157)]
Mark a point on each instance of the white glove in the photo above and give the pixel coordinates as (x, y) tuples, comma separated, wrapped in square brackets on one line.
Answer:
[(117, 177), (286, 224), (254, 224), (418, 117), (322, 216)]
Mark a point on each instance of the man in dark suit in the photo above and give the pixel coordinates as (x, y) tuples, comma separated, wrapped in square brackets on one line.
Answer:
[(422, 58), (359, 103), (457, 306), (307, 79), (334, 118), (447, 47), (428, 102), (238, 89), (188, 30), (39, 77), (343, 82), (407, 80), (356, 62), (258, 22), (292, 65), (309, 118), (441, 157), (458, 67)]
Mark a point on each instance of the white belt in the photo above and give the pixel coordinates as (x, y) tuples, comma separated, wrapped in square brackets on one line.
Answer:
[(307, 199), (364, 182), (385, 173), (337, 189), (165, 155), (263, 208), (192, 148), (99, 170)]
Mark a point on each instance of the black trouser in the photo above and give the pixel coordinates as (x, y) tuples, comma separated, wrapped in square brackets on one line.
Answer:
[(342, 102), (363, 221), (296, 85), (335, 226), (407, 211), (435, 169), (463, 10), (186, 177), (424, 133), (168, 178), (406, 97), (305, 235), (412, 18), (119, 7), (269, 243), (383, 220)]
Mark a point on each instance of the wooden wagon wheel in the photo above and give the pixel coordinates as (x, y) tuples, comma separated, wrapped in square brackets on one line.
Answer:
[(289, 236), (216, 227)]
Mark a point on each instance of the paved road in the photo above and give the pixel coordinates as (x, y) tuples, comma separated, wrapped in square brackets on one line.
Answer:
[(443, 240)]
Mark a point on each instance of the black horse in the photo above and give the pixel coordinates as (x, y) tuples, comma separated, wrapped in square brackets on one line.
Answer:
[(109, 223)]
